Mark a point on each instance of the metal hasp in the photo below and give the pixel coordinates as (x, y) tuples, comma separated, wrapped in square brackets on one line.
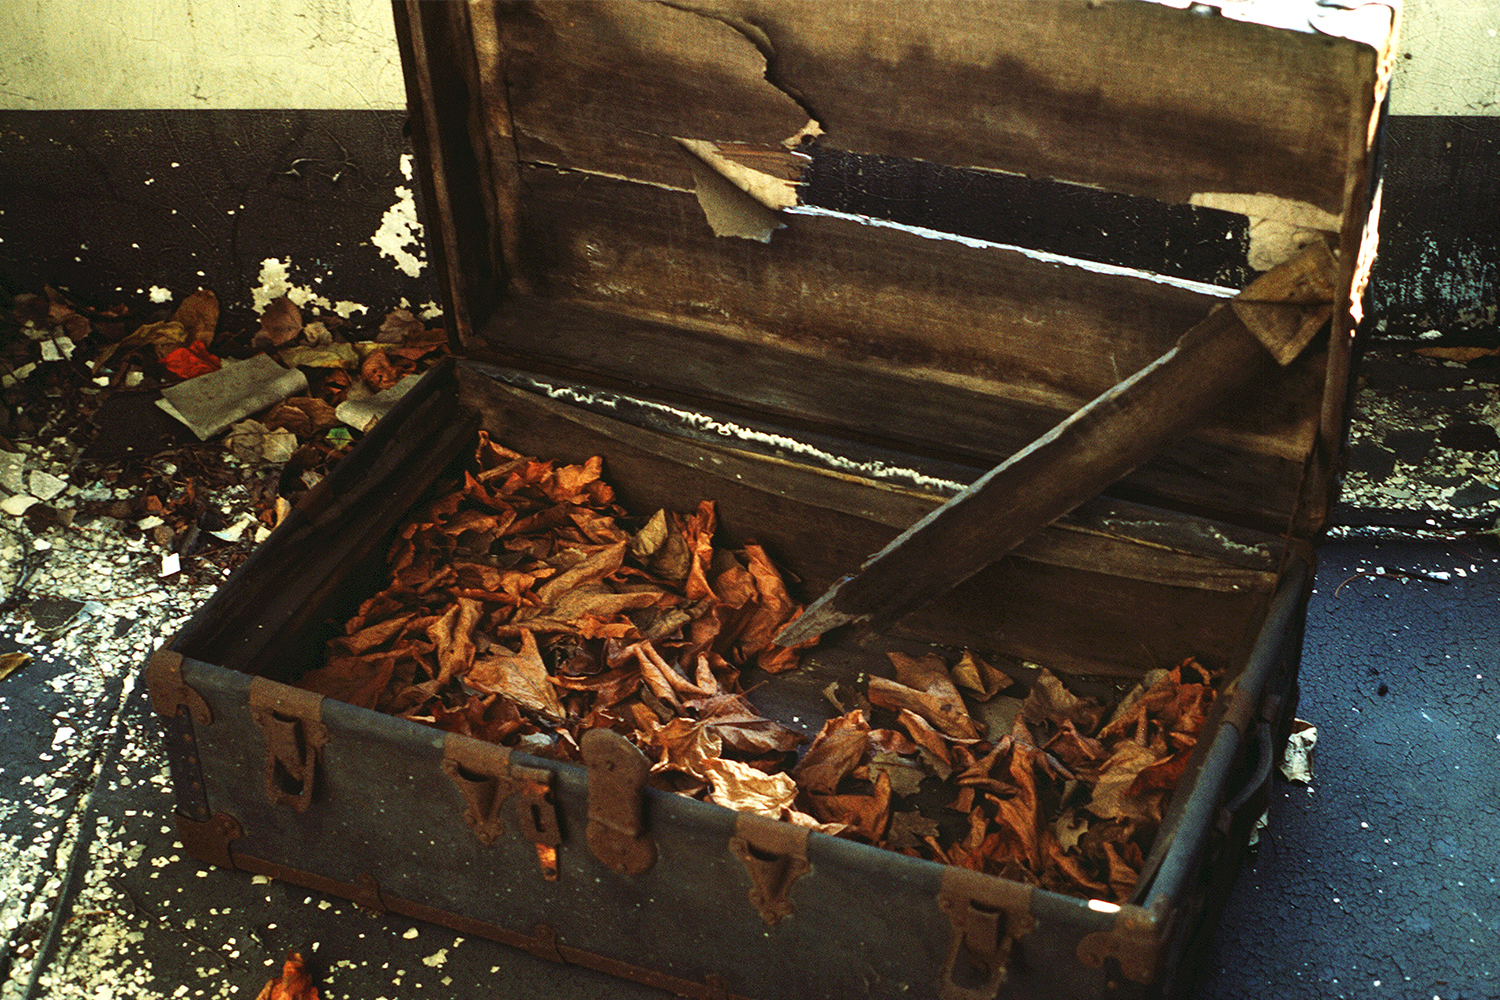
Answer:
[(481, 773), (775, 855), (486, 779), (989, 916), (290, 719), (617, 782)]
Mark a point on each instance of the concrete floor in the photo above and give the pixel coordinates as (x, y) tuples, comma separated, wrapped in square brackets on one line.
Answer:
[(1377, 880)]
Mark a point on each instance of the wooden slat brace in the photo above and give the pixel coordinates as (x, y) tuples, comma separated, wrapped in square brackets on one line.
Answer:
[(1106, 439)]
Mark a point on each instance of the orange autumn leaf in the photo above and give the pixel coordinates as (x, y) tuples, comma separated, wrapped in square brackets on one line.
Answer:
[(294, 983), (452, 637), (865, 815), (924, 687)]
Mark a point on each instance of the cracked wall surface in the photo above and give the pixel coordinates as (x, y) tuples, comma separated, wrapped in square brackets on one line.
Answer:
[(93, 54)]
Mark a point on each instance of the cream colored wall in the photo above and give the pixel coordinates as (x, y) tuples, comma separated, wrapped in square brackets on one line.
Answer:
[(146, 54), (126, 54), (1448, 62)]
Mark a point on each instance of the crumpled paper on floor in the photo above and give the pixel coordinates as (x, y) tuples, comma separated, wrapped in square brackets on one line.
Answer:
[(1296, 759)]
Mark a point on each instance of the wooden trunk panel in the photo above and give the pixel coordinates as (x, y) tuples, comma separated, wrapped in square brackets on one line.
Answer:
[(1055, 335), (1137, 98)]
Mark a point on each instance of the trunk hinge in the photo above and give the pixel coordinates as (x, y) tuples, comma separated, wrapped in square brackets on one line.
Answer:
[(617, 782), (485, 777), (989, 916), (290, 719), (775, 855)]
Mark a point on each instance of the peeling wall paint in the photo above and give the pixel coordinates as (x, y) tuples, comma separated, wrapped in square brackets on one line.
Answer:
[(399, 228), (275, 280)]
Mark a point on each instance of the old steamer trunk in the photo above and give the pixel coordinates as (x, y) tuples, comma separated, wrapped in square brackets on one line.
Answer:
[(830, 380)]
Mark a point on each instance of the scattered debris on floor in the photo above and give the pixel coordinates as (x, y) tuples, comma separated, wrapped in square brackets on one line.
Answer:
[(80, 446), (116, 523), (1296, 759)]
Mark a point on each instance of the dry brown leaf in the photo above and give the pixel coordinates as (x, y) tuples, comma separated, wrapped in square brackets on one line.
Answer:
[(164, 338), (903, 773), (686, 746), (978, 676), (1049, 700), (1111, 797), (865, 816), (924, 687), (11, 662), (452, 638), (520, 676), (280, 323), (748, 789), (744, 729), (1461, 354), (838, 749), (304, 416), (397, 326), (199, 315), (380, 371), (592, 568), (359, 679)]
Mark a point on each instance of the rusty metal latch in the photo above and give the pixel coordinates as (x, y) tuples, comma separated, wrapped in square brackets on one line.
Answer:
[(617, 782), (481, 772), (775, 855), (989, 916), (485, 777), (537, 808), (290, 719)]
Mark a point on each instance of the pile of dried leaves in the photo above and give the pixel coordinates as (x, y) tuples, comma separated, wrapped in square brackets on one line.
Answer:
[(522, 610), (520, 604)]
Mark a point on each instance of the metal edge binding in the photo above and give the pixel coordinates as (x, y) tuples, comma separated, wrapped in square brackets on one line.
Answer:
[(208, 840), (170, 694), (544, 941), (1136, 942)]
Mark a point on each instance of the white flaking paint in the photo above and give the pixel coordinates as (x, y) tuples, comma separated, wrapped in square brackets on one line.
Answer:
[(399, 228), (1448, 61), (739, 432), (1203, 288), (275, 280)]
